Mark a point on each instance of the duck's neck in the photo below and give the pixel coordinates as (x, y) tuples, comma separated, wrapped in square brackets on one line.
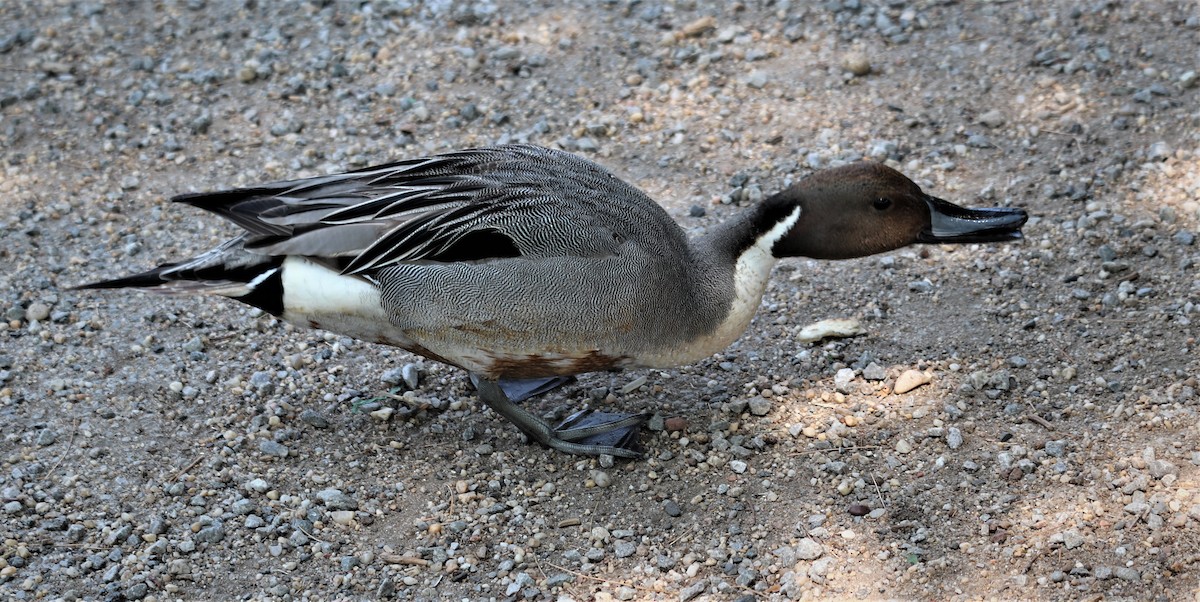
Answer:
[(747, 240), (740, 252)]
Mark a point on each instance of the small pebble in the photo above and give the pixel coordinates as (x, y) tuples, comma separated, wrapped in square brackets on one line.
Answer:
[(874, 371), (601, 478), (672, 508), (857, 64), (314, 418), (1127, 574), (954, 438), (757, 79), (37, 311), (911, 379), (760, 406), (808, 549), (843, 380), (272, 448), (46, 437), (334, 499), (992, 119)]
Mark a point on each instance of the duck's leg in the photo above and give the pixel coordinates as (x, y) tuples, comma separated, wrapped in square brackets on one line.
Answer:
[(612, 436)]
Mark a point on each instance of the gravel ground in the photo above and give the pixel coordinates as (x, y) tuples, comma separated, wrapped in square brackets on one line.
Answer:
[(182, 448)]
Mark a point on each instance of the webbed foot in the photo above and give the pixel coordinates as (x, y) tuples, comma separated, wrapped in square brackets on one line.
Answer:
[(586, 433)]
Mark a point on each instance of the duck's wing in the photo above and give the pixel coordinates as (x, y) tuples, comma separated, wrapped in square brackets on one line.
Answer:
[(472, 205)]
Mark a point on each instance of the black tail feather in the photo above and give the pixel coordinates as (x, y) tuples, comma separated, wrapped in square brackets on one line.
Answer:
[(147, 279), (243, 206), (258, 283)]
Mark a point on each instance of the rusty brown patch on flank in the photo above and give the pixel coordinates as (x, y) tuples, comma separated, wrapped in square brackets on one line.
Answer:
[(539, 366)]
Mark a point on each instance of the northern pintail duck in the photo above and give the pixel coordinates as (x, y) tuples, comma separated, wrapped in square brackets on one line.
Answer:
[(521, 262)]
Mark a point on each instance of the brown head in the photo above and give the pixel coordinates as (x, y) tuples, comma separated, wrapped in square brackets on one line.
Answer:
[(866, 208)]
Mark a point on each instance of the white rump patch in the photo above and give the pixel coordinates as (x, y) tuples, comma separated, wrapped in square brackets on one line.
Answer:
[(314, 295)]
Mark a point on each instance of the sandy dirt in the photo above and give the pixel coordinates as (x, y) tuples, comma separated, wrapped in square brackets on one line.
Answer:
[(192, 448)]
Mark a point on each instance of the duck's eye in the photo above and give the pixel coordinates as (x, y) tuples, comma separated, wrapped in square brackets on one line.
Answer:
[(882, 203)]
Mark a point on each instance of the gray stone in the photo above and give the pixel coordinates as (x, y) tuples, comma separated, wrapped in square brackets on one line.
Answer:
[(243, 507), (920, 286), (808, 549), (194, 344), (136, 591), (411, 376), (313, 418), (211, 534), (75, 533), (119, 536), (334, 499), (387, 588), (757, 79), (979, 141), (843, 381), (46, 437), (558, 580), (760, 406), (954, 438), (1159, 151), (1161, 468), (1127, 574), (672, 508), (587, 144), (272, 448), (874, 371), (521, 581), (693, 590), (1056, 448), (37, 311), (1072, 539), (392, 377), (624, 549), (992, 119)]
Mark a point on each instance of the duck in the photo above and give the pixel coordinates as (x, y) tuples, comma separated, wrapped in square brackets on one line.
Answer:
[(525, 265)]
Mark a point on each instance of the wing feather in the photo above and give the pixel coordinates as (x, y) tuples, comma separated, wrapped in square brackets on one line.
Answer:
[(481, 204)]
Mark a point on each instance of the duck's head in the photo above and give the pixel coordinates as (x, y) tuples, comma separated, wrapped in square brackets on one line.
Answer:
[(866, 208)]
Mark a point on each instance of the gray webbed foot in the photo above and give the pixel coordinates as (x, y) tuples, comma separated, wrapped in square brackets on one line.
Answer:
[(586, 433), (609, 429), (520, 390)]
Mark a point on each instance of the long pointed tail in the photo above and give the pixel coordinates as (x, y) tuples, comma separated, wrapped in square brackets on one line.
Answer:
[(228, 270)]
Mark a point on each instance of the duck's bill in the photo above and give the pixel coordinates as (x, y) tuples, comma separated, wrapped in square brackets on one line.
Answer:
[(950, 223)]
